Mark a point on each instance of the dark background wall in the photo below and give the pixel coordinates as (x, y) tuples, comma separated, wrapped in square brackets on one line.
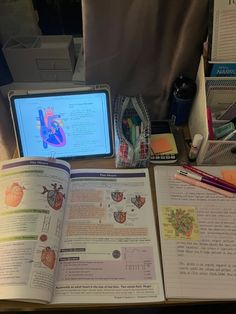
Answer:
[(59, 17)]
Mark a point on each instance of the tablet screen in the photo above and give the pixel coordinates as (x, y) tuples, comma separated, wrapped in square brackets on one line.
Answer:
[(63, 124)]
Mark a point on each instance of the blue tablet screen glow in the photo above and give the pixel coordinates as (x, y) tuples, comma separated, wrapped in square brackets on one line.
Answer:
[(63, 126)]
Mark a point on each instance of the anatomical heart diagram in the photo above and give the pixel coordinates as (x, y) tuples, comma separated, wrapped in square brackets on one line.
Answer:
[(51, 130), (138, 201), (14, 194), (48, 257), (54, 196)]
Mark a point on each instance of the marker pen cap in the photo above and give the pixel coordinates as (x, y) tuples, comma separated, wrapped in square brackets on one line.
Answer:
[(197, 140), (195, 147)]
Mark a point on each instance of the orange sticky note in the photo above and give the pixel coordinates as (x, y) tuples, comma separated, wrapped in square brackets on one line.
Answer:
[(229, 175), (160, 144)]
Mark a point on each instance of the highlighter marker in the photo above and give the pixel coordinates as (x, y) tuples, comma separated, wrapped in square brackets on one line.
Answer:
[(224, 130), (230, 137)]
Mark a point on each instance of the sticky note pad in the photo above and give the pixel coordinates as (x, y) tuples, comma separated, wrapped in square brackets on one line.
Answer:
[(162, 143), (229, 175)]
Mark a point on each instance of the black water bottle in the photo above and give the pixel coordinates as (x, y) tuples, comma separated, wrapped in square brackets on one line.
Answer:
[(184, 90)]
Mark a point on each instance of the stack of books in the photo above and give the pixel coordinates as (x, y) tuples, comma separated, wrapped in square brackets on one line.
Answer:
[(220, 68), (221, 54)]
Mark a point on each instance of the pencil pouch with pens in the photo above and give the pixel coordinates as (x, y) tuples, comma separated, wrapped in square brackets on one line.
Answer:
[(132, 132)]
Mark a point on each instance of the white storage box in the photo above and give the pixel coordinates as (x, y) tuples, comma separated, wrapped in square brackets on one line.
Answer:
[(40, 58), (212, 152)]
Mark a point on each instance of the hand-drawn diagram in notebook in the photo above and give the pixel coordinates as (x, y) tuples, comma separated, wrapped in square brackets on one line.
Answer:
[(51, 130)]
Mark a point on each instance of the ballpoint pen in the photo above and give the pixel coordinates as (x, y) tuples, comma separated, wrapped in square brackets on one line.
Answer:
[(207, 180), (208, 175), (202, 185)]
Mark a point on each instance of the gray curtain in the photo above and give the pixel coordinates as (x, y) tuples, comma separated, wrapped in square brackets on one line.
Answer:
[(139, 47)]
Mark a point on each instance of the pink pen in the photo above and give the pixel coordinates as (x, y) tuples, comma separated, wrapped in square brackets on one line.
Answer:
[(203, 185), (207, 175), (207, 180)]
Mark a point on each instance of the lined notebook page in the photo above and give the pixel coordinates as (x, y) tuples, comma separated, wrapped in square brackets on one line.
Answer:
[(198, 238)]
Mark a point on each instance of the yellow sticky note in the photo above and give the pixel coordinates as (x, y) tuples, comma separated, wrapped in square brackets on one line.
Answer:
[(229, 175)]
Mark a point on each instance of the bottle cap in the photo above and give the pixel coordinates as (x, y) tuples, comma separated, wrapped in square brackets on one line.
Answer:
[(184, 87), (197, 140)]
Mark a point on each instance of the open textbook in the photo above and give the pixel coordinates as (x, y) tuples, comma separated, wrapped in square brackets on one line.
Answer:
[(198, 236), (77, 236)]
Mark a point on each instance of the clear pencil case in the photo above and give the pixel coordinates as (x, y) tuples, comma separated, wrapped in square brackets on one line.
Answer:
[(132, 132)]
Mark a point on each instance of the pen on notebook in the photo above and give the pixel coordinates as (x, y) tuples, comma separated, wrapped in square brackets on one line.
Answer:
[(205, 174), (203, 185), (207, 180)]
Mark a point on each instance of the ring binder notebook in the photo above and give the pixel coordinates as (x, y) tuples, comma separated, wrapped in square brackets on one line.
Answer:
[(132, 132)]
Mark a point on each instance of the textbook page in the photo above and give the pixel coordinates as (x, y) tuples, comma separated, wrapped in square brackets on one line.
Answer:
[(32, 200), (198, 237), (109, 250)]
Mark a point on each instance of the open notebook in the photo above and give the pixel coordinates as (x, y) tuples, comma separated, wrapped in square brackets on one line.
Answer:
[(197, 233)]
